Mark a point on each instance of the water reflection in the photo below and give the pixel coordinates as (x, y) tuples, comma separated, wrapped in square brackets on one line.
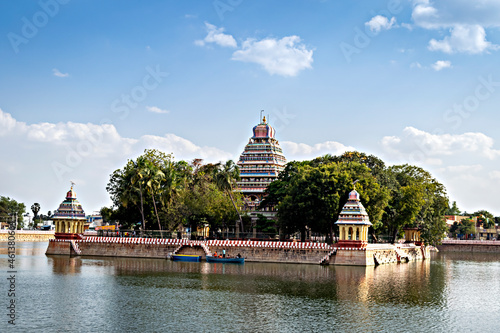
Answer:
[(413, 283), (65, 264)]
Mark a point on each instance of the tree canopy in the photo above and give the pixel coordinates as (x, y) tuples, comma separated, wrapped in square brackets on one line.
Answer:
[(162, 194), (158, 192), (311, 194), (8, 207)]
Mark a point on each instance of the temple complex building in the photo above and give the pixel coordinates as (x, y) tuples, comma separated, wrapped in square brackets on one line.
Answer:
[(69, 219), (260, 163)]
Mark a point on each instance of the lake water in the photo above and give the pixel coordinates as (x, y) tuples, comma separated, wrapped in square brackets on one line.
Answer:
[(453, 292)]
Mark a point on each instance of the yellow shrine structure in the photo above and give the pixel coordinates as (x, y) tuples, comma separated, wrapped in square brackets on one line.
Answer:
[(412, 235), (69, 219), (353, 223)]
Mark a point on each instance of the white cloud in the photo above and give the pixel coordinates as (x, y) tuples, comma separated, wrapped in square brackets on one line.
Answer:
[(286, 56), (156, 109), (407, 26), (424, 14), (300, 151), (57, 73), (432, 148), (448, 13), (467, 39), (415, 65), (440, 64), (76, 151), (466, 164), (495, 174), (379, 22), (460, 169), (466, 21), (216, 35), (7, 123)]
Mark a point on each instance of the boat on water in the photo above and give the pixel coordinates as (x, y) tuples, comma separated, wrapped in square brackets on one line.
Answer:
[(233, 260), (186, 257)]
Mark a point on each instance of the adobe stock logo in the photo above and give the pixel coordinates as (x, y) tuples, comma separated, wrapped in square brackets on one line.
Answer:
[(223, 6), (460, 111), (30, 28), (137, 94)]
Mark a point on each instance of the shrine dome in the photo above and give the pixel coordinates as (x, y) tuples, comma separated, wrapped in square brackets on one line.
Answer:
[(263, 130), (353, 211), (70, 208), (71, 194)]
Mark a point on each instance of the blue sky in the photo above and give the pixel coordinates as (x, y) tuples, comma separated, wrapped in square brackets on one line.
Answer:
[(86, 85)]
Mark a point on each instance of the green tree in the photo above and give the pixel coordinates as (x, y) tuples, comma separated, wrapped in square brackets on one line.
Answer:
[(35, 208), (377, 169), (265, 225), (485, 218), (315, 196), (465, 227), (453, 210), (126, 191), (153, 187), (277, 190), (108, 214), (9, 208), (225, 177), (407, 199), (153, 177), (417, 200)]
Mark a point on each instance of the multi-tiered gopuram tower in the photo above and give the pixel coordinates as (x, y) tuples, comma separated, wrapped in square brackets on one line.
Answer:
[(260, 163)]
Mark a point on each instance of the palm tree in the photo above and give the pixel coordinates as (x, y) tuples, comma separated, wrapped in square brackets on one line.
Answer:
[(153, 177), (136, 183), (225, 179), (35, 208)]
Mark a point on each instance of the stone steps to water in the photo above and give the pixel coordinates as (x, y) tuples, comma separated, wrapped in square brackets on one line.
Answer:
[(75, 247), (402, 255), (327, 257)]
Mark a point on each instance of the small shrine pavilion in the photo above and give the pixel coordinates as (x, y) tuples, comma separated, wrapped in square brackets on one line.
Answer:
[(353, 223), (412, 235), (69, 219)]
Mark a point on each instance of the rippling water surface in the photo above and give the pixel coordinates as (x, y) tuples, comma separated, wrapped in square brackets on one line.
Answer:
[(453, 292)]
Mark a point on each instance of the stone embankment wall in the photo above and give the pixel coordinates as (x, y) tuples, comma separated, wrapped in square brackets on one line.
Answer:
[(282, 252), (272, 252), (27, 235), (289, 255), (108, 249), (469, 246)]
